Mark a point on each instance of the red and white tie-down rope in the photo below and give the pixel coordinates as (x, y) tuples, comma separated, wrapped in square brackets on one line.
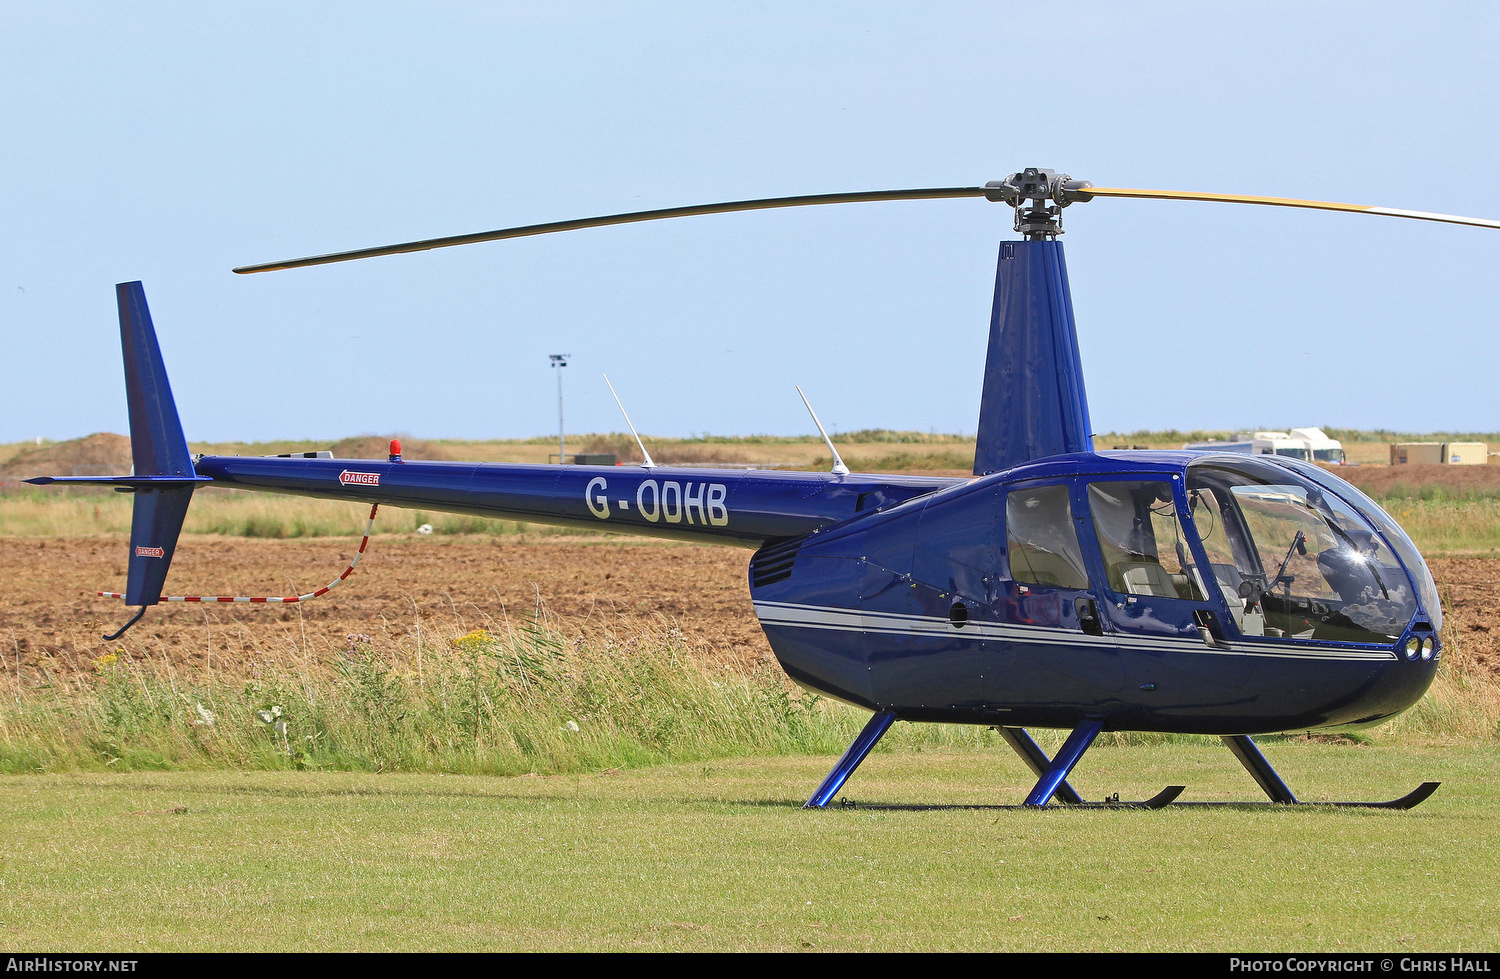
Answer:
[(287, 600)]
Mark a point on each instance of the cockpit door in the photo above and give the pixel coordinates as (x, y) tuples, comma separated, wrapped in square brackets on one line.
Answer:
[(1048, 602), (1155, 598)]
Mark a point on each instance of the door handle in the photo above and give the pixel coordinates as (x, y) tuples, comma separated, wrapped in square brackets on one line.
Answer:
[(1088, 616), (1209, 629)]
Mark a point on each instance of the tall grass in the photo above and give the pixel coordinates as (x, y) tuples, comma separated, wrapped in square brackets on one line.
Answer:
[(504, 700), (1440, 522), (1463, 703), (1445, 527), (903, 461), (233, 513)]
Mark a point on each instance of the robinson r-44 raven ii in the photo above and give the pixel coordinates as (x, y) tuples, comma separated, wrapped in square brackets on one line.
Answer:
[(1059, 587)]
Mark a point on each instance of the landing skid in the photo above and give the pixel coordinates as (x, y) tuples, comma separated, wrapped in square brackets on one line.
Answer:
[(1161, 800), (1280, 795), (1410, 800), (1052, 776)]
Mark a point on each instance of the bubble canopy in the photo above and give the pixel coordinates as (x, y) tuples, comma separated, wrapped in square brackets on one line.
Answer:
[(1320, 560)]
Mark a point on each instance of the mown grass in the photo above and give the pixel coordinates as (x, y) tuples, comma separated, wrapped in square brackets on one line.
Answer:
[(717, 857)]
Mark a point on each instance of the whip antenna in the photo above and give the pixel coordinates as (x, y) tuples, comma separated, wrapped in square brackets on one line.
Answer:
[(641, 445), (839, 469)]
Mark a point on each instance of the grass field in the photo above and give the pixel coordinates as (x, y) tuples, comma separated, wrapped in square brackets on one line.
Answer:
[(525, 791), (718, 857)]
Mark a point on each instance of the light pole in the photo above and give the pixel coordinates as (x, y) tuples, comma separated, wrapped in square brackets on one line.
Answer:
[(560, 361)]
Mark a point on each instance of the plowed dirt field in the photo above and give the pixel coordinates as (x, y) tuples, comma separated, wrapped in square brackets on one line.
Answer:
[(442, 585), (49, 614)]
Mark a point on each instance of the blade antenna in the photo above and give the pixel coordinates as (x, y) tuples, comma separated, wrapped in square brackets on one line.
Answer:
[(839, 469), (641, 445)]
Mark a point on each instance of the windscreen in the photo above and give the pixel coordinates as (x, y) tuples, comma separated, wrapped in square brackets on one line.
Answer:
[(1307, 560), (1372, 511)]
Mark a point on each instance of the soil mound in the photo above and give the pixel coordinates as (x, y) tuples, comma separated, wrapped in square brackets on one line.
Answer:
[(100, 454)]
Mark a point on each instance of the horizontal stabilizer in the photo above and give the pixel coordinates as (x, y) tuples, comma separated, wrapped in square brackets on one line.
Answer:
[(130, 482)]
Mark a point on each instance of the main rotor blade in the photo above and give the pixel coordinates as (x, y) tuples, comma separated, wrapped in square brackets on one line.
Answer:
[(630, 218), (1187, 195)]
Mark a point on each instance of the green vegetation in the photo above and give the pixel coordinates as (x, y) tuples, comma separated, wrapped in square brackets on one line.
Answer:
[(1449, 528), (717, 856), (1172, 437), (1437, 494), (488, 702), (1385, 435), (896, 462), (1441, 522), (503, 700), (48, 512)]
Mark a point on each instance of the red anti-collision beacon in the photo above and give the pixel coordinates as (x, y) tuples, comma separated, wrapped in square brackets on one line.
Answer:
[(395, 450)]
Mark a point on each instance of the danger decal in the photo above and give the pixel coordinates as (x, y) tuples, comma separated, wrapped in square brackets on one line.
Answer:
[(350, 478)]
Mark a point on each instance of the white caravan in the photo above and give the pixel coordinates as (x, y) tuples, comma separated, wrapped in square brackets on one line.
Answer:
[(1309, 444)]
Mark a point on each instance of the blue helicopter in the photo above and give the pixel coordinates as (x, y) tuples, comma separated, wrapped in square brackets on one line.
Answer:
[(1059, 587)]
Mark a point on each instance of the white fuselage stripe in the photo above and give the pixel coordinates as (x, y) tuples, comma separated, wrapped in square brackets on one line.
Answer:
[(788, 615)]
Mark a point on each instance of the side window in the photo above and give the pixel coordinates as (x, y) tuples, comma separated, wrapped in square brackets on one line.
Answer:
[(1043, 543), (1141, 540)]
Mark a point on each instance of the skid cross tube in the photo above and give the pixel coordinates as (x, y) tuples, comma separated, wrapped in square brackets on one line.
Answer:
[(1255, 763), (1036, 759), (873, 731), (1067, 756)]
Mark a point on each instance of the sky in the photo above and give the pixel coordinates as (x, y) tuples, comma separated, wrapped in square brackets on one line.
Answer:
[(170, 142)]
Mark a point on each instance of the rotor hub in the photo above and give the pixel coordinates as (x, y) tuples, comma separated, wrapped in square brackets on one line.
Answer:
[(1038, 196)]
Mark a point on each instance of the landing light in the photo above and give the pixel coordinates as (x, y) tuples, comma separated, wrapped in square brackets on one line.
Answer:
[(1428, 648), (1413, 647)]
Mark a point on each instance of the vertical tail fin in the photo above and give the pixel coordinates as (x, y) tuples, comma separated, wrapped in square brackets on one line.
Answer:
[(158, 449), (157, 444)]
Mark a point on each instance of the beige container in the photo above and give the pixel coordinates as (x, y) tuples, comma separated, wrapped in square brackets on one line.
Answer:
[(1466, 453), (1430, 453)]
